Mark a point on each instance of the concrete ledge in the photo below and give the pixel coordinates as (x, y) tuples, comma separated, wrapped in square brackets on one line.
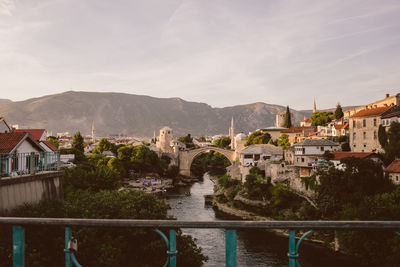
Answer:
[(29, 178)]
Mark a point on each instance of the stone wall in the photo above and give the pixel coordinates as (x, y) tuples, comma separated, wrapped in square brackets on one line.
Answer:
[(31, 189)]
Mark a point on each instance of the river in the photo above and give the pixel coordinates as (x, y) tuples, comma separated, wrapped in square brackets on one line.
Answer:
[(254, 247)]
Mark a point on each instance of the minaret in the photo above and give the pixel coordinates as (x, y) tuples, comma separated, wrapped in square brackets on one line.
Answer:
[(232, 134), (93, 133), (154, 137), (315, 106)]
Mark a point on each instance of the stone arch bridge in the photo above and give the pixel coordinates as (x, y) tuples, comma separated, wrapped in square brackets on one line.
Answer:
[(186, 157)]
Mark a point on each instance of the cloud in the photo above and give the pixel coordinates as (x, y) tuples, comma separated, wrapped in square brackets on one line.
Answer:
[(7, 7)]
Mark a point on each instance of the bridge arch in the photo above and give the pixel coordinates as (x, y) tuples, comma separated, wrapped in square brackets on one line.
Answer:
[(186, 157)]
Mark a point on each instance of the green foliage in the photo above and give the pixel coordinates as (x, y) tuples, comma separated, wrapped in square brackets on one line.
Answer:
[(283, 200), (66, 151), (187, 140), (256, 185), (116, 165), (382, 137), (288, 118), (144, 160), (258, 137), (392, 148), (283, 141), (105, 145), (212, 162), (78, 148), (359, 179), (321, 118), (223, 142), (310, 182), (90, 178), (54, 141), (226, 181), (338, 112)]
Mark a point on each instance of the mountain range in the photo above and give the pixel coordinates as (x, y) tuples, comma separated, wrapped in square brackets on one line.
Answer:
[(137, 115)]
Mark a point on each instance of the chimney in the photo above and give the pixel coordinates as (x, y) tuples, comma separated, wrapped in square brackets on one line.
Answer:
[(366, 107), (387, 95), (385, 105)]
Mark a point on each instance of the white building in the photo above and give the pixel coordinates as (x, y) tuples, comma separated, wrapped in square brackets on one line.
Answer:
[(4, 127)]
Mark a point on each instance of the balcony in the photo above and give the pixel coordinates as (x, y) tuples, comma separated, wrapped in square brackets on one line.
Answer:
[(171, 226)]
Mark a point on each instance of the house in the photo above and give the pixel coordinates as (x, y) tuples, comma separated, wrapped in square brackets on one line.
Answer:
[(337, 156), (309, 151), (4, 127), (298, 133), (391, 115), (20, 154), (364, 129), (334, 128), (393, 170), (260, 155)]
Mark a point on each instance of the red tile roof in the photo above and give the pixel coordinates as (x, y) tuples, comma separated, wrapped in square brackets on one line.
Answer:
[(370, 112), (338, 155), (394, 111), (296, 129), (35, 133), (341, 126), (307, 120), (394, 166), (8, 141), (50, 145)]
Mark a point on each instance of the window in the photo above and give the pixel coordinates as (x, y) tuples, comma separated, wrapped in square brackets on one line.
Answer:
[(364, 123), (302, 159), (248, 156), (397, 178), (354, 124), (374, 122), (365, 146), (256, 156), (322, 148), (375, 135), (364, 135)]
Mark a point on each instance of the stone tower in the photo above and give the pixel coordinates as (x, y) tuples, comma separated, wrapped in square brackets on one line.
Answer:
[(165, 139), (232, 134), (93, 132)]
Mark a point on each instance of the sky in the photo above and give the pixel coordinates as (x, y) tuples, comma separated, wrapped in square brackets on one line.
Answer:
[(221, 52)]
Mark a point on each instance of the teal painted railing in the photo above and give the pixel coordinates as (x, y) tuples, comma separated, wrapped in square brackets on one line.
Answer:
[(229, 226)]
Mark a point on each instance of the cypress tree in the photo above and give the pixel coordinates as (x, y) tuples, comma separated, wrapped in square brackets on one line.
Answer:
[(382, 136), (338, 112), (288, 119)]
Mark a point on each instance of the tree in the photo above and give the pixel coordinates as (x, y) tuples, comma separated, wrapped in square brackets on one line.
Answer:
[(78, 147), (54, 141), (223, 142), (187, 140), (283, 141), (288, 118), (321, 118), (338, 112), (258, 137), (382, 137), (392, 148), (104, 145)]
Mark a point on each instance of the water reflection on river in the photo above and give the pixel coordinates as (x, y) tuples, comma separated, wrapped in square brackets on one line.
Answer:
[(254, 248)]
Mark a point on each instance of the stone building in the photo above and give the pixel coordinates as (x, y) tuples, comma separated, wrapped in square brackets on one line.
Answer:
[(391, 115), (364, 129), (165, 140), (393, 170), (387, 101), (280, 119)]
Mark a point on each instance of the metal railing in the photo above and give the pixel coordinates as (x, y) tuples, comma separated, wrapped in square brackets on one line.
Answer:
[(28, 163), (229, 226)]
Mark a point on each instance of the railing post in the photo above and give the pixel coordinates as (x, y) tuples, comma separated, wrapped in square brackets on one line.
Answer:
[(18, 246), (172, 248), (68, 262), (230, 248), (292, 248)]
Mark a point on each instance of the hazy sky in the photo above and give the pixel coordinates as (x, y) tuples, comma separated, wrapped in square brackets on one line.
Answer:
[(219, 52)]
